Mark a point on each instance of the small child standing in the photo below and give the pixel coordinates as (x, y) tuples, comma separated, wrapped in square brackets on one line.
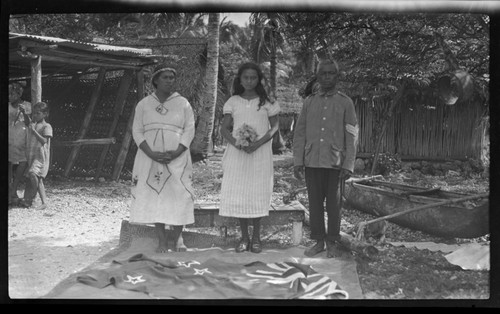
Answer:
[(19, 112), (39, 135)]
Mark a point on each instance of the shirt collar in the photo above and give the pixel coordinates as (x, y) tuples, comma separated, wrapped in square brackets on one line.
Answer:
[(174, 94), (327, 93)]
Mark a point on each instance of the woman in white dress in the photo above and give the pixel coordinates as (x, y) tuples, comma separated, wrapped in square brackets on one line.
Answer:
[(247, 182), (163, 129)]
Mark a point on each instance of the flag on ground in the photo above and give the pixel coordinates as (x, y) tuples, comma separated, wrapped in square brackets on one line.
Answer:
[(214, 279)]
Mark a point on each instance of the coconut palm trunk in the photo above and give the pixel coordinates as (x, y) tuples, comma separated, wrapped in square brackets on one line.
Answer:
[(201, 144)]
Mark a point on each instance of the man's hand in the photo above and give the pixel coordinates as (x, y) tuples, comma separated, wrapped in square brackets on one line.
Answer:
[(298, 172), (345, 174)]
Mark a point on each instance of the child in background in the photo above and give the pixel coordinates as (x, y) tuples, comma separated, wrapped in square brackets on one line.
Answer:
[(19, 112), (39, 135)]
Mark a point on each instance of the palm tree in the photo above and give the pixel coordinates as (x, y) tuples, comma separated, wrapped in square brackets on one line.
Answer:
[(266, 40), (203, 135)]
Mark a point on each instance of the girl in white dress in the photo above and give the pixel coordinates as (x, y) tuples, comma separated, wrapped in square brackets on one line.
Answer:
[(247, 182), (163, 129)]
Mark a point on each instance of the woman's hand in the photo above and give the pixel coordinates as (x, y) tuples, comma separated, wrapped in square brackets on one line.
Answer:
[(252, 147), (170, 155), (159, 157)]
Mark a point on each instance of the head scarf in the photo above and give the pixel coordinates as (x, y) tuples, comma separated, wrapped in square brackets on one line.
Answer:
[(162, 68)]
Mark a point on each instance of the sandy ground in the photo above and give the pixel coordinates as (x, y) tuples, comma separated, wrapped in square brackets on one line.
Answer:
[(46, 246)]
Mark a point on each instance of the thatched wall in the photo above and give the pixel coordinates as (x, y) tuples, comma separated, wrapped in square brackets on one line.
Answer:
[(67, 109), (427, 131)]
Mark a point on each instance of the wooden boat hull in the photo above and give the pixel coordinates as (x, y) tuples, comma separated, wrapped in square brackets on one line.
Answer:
[(381, 198)]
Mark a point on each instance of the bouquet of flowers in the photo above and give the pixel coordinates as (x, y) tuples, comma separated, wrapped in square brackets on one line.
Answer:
[(245, 135)]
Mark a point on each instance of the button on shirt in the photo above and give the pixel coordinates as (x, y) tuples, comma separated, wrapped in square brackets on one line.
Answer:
[(326, 132)]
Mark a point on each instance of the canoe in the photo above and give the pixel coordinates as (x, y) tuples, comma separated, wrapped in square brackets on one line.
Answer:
[(381, 198)]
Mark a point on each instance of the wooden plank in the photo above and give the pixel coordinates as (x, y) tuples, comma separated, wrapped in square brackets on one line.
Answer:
[(86, 121), (127, 138), (121, 97), (36, 80), (95, 63), (293, 205), (95, 141)]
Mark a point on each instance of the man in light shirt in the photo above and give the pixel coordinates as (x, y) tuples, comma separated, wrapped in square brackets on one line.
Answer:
[(324, 148)]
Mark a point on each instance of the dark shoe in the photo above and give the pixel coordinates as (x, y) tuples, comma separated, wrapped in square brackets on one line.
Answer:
[(256, 247), (243, 246), (316, 249)]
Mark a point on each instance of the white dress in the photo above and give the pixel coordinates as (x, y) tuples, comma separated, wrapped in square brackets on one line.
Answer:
[(163, 193), (247, 182)]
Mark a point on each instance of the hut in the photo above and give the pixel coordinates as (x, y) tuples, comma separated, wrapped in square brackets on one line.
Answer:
[(91, 89)]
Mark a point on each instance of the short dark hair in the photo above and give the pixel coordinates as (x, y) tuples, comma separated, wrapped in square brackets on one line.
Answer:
[(43, 106), (328, 61)]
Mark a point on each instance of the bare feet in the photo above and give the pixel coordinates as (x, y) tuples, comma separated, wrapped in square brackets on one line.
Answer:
[(162, 247), (315, 249), (14, 200), (25, 203), (42, 207), (334, 249), (179, 246)]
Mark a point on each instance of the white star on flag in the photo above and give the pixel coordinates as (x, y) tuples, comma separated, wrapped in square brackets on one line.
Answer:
[(201, 271), (188, 264), (134, 280)]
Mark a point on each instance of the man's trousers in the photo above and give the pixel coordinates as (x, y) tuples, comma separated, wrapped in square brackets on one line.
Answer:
[(323, 183)]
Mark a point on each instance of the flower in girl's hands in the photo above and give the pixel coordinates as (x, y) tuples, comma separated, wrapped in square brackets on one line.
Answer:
[(245, 135)]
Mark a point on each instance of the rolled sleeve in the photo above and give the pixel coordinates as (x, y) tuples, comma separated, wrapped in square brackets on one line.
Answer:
[(47, 131), (189, 127)]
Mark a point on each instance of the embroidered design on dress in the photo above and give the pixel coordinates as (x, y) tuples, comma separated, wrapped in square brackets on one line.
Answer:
[(161, 109), (158, 176)]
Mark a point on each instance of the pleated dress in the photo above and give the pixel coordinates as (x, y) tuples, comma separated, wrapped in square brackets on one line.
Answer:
[(163, 193), (247, 182)]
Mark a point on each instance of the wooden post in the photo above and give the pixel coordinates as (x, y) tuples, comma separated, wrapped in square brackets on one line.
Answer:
[(121, 98), (36, 80), (127, 138), (296, 232), (86, 121)]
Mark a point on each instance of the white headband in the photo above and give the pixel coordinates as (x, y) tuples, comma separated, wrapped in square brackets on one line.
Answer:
[(163, 70)]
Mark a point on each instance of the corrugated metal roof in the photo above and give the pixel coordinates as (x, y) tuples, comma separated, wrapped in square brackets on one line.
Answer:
[(83, 45)]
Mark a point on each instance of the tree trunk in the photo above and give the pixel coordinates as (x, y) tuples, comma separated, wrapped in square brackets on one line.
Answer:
[(272, 69), (201, 142)]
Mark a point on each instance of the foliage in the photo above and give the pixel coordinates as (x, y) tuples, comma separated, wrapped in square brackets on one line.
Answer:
[(376, 50), (387, 163), (111, 27)]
